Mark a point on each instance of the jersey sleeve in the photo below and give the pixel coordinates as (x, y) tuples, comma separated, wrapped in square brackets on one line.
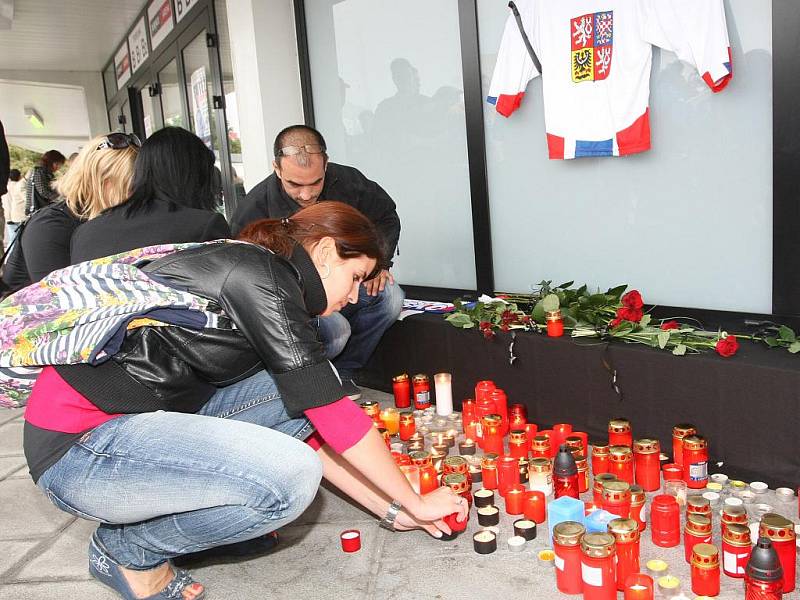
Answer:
[(696, 30), (514, 67)]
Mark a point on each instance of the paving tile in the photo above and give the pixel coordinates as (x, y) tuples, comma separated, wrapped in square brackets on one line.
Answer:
[(327, 507), (65, 558), (9, 414), (47, 590), (308, 564), (11, 438), (25, 512), (10, 464), (12, 553)]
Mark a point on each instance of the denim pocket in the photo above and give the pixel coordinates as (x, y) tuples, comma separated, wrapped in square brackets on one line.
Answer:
[(59, 503)]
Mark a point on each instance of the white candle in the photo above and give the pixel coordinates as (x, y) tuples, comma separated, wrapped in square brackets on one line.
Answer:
[(443, 383)]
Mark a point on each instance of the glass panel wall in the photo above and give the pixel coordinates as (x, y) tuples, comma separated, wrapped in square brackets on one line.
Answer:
[(391, 104), (689, 223), (110, 81), (169, 81)]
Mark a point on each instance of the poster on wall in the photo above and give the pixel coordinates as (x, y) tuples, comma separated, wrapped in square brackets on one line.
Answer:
[(200, 113), (159, 18), (122, 65), (137, 42), (182, 7)]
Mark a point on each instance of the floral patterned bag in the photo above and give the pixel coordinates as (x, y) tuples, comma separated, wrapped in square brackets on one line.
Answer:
[(80, 314)]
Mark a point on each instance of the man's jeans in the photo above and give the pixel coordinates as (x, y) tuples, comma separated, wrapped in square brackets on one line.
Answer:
[(163, 484), (350, 337)]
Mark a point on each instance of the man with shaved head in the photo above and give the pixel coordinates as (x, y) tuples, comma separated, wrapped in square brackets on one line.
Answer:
[(303, 176)]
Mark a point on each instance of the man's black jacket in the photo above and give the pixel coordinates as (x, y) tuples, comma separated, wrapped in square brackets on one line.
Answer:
[(268, 200)]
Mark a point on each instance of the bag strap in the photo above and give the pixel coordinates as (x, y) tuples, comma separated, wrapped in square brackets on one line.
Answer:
[(525, 39), (7, 252)]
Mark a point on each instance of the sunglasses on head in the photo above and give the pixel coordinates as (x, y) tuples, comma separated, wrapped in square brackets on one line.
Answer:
[(120, 141), (308, 149)]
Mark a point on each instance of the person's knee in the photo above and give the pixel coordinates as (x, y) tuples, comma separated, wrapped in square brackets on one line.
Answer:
[(335, 331), (391, 300), (301, 485)]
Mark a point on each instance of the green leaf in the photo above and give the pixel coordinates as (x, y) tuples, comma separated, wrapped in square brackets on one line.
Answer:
[(663, 339), (537, 314), (460, 320), (617, 291), (794, 348), (581, 291), (645, 321), (786, 334), (600, 300), (550, 302), (679, 350), (564, 286), (772, 342)]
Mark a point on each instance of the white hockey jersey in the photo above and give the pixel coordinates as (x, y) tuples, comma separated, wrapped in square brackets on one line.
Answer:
[(596, 57)]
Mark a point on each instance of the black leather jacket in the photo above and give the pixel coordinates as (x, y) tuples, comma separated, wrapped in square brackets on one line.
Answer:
[(271, 300)]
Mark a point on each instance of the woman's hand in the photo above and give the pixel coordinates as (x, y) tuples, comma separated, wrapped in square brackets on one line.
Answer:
[(405, 522), (439, 503)]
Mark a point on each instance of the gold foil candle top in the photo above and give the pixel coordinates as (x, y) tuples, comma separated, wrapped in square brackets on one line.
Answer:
[(646, 446), (400, 378), (624, 530), (681, 430), (619, 425), (694, 442), (568, 533), (598, 545), (705, 556)]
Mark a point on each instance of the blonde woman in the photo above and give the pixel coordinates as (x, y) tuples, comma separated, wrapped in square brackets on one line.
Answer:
[(98, 179)]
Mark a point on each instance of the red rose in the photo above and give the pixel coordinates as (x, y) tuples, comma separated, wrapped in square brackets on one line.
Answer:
[(633, 299), (727, 346), (484, 325), (667, 325), (615, 322), (488, 334), (634, 315)]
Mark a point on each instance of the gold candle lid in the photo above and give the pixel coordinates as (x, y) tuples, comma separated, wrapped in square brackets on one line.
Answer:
[(681, 430), (598, 545), (518, 436), (736, 534), (619, 425), (581, 462), (400, 378), (574, 441), (616, 490), (541, 442), (694, 442), (604, 478), (776, 527), (456, 464), (646, 446), (421, 458), (698, 524), (697, 504), (705, 556), (456, 482), (620, 453), (600, 449), (540, 465), (491, 420), (637, 495), (406, 417), (568, 533), (420, 377), (624, 530), (734, 514), (489, 461)]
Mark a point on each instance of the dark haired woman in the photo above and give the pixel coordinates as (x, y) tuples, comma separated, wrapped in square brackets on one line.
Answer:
[(182, 441), (40, 191), (174, 196)]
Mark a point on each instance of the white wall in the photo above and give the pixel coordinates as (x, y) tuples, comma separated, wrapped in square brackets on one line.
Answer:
[(71, 103), (267, 75)]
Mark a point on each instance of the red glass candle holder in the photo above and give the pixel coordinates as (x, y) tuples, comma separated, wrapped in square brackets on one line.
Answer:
[(626, 537), (567, 537), (552, 448), (501, 408), (647, 465), (483, 408), (599, 459), (515, 500), (638, 586), (401, 387), (560, 433), (555, 323), (408, 426), (679, 432), (696, 531), (489, 471), (421, 386), (492, 435), (695, 461), (617, 498), (665, 521), (736, 549), (534, 507), (518, 443), (598, 557), (672, 471), (705, 570), (781, 533), (531, 430), (507, 473), (619, 432), (483, 388), (620, 462)]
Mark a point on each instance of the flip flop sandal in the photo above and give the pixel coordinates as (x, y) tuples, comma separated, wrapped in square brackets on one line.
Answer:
[(103, 568)]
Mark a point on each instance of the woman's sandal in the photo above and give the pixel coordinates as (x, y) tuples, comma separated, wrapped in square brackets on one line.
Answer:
[(103, 568)]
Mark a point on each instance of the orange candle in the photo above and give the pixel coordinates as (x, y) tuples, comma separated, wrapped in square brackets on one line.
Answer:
[(406, 426), (534, 506), (638, 586), (515, 500), (391, 420), (427, 479)]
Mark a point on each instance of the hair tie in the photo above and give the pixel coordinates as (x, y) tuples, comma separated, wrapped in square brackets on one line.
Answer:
[(285, 222)]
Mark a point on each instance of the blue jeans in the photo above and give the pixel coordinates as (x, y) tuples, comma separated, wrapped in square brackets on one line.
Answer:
[(350, 337), (11, 233), (163, 484)]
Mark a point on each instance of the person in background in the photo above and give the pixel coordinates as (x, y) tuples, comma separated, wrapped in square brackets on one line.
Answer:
[(5, 169), (188, 439), (303, 176), (40, 191), (14, 205), (174, 196), (99, 178)]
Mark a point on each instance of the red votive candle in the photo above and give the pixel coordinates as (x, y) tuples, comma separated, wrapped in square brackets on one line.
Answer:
[(567, 548), (665, 521), (516, 422), (780, 532), (672, 471), (647, 465), (584, 441), (736, 549), (560, 433), (351, 540), (515, 500), (619, 432), (531, 430), (401, 386), (599, 459), (705, 570), (483, 408), (421, 385), (492, 435), (555, 324), (597, 486), (696, 531), (501, 406), (620, 461), (617, 498), (534, 506), (552, 448), (695, 461), (518, 443), (626, 537), (507, 473), (540, 446), (483, 388), (467, 409), (638, 586), (679, 432), (408, 426), (489, 471), (598, 557)]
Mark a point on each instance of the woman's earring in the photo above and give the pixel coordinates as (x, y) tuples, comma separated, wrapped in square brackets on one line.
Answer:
[(327, 271)]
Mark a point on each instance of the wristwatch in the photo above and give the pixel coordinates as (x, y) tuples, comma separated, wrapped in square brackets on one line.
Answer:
[(387, 522)]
